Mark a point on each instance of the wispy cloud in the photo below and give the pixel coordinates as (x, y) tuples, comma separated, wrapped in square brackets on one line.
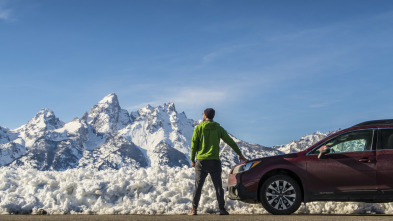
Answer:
[(5, 11), (197, 96), (319, 105), (221, 52), (5, 14), (192, 98), (210, 57)]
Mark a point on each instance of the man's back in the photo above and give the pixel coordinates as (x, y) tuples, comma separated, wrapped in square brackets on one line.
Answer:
[(206, 141)]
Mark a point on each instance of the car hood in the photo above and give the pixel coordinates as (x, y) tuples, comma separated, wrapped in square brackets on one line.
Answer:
[(273, 158), (284, 156)]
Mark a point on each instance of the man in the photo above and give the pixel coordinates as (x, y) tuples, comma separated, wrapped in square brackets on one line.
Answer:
[(205, 141)]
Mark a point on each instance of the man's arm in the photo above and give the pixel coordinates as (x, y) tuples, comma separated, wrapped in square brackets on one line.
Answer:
[(228, 140), (194, 146)]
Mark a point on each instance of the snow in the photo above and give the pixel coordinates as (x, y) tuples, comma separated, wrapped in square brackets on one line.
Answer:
[(37, 127), (93, 141), (154, 125), (149, 129), (140, 146), (108, 99), (70, 128), (302, 143), (4, 137), (153, 190), (10, 151), (107, 116)]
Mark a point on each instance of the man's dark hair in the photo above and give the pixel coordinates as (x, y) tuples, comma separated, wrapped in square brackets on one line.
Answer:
[(210, 112)]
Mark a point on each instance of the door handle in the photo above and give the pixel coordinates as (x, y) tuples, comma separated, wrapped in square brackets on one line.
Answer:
[(366, 160)]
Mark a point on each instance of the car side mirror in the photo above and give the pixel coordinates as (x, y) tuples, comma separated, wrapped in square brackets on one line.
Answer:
[(323, 151)]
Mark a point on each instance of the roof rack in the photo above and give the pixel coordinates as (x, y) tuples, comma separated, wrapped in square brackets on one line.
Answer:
[(375, 122)]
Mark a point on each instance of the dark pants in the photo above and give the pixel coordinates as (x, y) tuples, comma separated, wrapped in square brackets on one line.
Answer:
[(202, 168)]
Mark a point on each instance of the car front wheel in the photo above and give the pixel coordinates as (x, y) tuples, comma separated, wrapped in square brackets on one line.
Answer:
[(280, 195)]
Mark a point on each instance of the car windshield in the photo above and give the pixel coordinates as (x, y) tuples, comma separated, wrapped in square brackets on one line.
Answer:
[(350, 142)]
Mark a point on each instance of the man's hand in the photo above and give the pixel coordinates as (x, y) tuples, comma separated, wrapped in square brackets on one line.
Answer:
[(192, 163), (242, 158)]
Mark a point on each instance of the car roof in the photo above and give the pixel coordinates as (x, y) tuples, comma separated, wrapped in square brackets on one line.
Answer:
[(364, 125), (375, 122), (387, 123)]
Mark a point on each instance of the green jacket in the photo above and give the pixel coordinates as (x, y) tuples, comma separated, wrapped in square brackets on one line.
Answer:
[(206, 141)]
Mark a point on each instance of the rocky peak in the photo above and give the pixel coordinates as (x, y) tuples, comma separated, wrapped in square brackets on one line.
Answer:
[(109, 104), (168, 108), (110, 99), (45, 119), (144, 111), (107, 116), (84, 117), (148, 110)]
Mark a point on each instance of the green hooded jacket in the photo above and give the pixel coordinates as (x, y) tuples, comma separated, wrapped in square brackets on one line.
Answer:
[(206, 141)]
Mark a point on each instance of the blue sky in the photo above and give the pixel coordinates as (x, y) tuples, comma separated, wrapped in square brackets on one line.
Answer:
[(273, 70)]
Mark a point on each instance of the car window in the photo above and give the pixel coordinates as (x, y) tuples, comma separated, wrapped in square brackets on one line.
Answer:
[(350, 142), (385, 140)]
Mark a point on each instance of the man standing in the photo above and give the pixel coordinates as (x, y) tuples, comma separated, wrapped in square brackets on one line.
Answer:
[(205, 142)]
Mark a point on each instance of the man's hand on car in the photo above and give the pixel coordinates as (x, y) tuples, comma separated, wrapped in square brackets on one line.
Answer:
[(242, 158)]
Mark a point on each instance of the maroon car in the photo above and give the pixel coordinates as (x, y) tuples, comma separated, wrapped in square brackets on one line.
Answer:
[(355, 164)]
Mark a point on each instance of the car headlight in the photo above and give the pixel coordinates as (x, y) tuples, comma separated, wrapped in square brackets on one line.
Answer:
[(244, 167)]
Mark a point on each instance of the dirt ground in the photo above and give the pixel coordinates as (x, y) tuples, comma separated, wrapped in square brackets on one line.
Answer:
[(198, 217)]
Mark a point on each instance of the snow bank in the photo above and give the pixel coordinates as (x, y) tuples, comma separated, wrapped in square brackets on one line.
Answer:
[(159, 190)]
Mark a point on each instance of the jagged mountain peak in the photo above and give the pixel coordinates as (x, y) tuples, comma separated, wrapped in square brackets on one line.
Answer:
[(109, 99), (45, 118), (43, 122), (108, 103), (168, 108), (44, 113), (153, 125), (145, 110), (107, 116)]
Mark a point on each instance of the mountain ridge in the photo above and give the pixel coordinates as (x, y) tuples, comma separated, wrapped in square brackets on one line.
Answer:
[(109, 137)]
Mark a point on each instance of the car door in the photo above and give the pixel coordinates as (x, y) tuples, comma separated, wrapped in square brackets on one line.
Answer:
[(349, 169), (385, 160)]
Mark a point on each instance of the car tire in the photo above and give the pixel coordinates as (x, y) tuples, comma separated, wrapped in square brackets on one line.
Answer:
[(280, 195)]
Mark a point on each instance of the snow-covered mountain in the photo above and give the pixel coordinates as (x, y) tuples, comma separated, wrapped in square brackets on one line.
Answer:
[(111, 137), (302, 143), (107, 116)]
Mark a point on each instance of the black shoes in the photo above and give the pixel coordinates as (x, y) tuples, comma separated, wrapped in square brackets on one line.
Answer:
[(193, 212), (223, 211)]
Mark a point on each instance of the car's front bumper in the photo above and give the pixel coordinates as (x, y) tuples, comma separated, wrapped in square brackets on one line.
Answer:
[(237, 191)]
